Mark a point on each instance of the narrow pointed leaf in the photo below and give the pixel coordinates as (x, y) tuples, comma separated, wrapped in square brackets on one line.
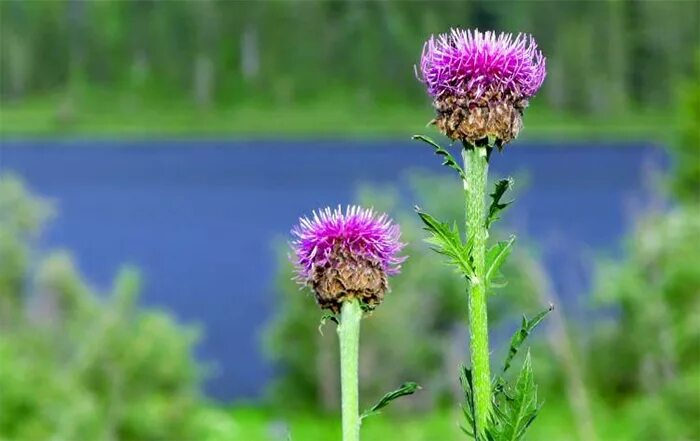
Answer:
[(515, 408), (524, 407), (446, 240), (469, 408), (448, 159), (495, 256), (408, 388), (496, 204), (521, 334)]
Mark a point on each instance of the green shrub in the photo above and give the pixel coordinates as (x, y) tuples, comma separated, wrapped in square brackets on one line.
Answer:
[(78, 365), (649, 349)]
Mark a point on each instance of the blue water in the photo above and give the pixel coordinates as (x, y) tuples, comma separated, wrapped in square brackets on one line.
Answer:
[(198, 217)]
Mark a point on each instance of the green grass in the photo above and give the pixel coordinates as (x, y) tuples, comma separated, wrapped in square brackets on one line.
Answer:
[(555, 423), (110, 114)]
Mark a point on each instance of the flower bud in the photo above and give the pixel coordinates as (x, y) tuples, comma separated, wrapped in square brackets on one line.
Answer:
[(346, 255), (481, 83)]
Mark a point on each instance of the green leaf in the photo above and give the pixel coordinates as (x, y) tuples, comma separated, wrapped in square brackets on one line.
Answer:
[(526, 327), (448, 161), (446, 240), (495, 256), (496, 205), (515, 409), (515, 406), (468, 408), (524, 408), (408, 388)]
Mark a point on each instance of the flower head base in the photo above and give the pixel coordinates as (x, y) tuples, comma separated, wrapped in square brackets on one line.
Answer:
[(481, 82), (346, 255)]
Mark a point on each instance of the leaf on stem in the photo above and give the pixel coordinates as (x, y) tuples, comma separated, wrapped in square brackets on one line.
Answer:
[(513, 414), (496, 205), (468, 408), (448, 159), (526, 327), (408, 388), (446, 240), (495, 256)]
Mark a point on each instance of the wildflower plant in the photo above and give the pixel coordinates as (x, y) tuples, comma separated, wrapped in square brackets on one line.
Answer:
[(480, 84), (346, 258)]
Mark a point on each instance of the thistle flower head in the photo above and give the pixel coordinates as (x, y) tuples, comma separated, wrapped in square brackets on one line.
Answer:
[(344, 255), (475, 64), (480, 82)]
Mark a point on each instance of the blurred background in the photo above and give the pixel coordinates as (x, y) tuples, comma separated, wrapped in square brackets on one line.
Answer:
[(155, 154)]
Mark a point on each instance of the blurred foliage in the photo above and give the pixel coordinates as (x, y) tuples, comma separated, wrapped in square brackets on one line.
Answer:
[(418, 333), (604, 58), (81, 365), (21, 219), (554, 424), (685, 179), (650, 349)]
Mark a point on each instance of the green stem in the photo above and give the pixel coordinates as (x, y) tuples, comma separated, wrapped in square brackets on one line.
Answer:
[(476, 169), (349, 336)]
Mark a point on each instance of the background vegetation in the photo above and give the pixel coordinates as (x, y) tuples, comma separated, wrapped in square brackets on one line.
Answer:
[(75, 365), (322, 67)]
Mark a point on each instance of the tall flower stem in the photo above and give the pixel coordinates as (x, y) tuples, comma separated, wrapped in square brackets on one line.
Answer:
[(476, 170), (349, 336)]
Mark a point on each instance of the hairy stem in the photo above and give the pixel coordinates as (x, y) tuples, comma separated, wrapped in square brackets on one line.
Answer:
[(476, 170), (349, 336)]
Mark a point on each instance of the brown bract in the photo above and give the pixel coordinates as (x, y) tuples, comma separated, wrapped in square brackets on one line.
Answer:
[(469, 120), (346, 277)]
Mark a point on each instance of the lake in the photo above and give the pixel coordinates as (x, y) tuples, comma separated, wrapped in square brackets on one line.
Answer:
[(199, 217)]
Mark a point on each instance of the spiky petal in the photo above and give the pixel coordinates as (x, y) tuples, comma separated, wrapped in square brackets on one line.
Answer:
[(474, 64), (346, 254)]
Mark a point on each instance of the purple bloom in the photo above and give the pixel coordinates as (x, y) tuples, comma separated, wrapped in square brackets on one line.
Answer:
[(345, 255), (481, 83), (359, 231), (475, 64)]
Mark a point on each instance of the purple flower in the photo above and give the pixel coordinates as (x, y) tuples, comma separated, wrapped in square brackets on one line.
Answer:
[(345, 255), (475, 64), (481, 83)]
